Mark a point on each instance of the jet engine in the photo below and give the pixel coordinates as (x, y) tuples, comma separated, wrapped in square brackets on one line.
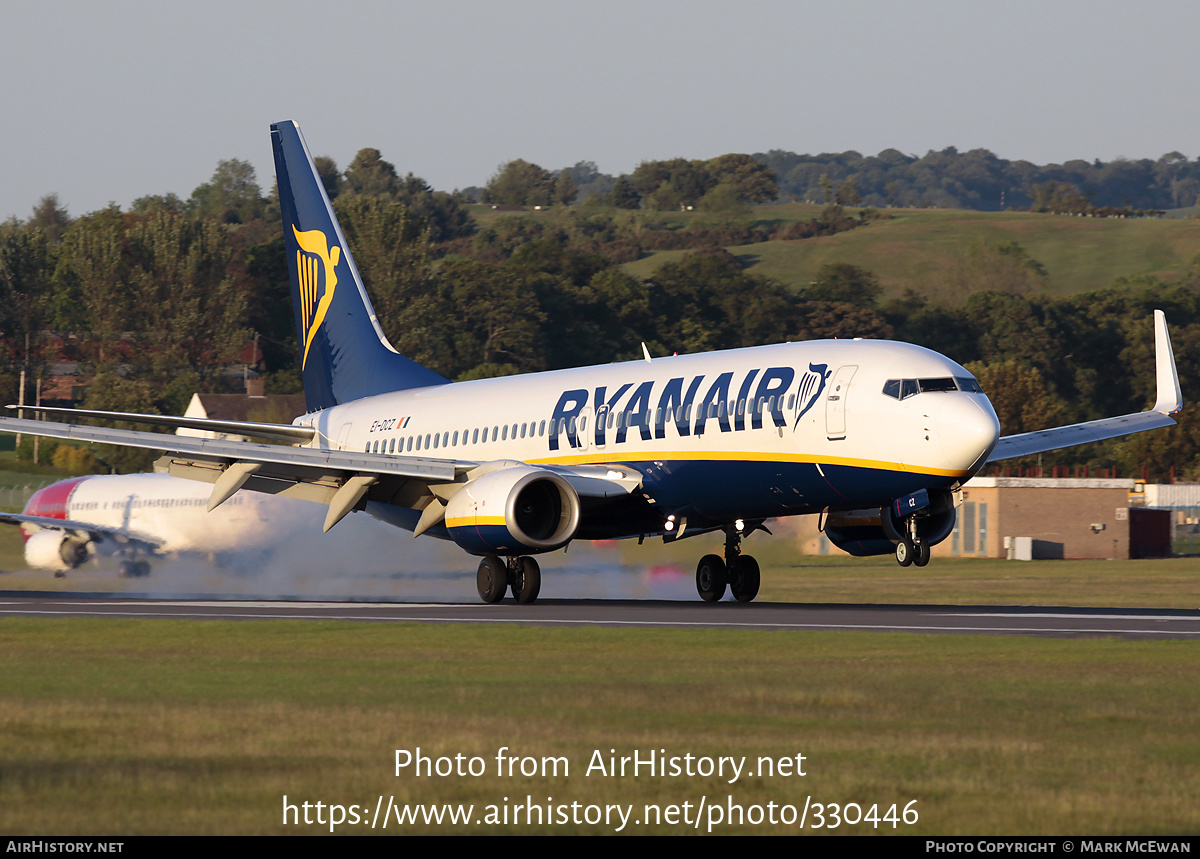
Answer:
[(876, 531), (513, 511), (55, 550)]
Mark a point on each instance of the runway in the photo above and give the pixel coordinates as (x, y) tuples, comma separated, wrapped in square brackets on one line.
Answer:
[(929, 619)]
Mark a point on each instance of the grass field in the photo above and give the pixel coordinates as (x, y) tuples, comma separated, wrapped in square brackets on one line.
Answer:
[(129, 727), (917, 247), (142, 726)]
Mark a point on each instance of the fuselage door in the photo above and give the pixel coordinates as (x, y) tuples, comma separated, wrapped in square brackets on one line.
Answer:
[(835, 402), (344, 435)]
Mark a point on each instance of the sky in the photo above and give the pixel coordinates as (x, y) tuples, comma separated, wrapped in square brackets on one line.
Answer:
[(107, 102)]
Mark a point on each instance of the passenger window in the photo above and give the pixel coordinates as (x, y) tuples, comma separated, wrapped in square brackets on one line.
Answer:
[(418, 442), (392, 447), (542, 428)]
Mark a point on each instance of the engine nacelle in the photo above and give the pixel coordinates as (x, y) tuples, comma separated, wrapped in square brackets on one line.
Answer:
[(876, 531), (55, 550), (858, 532), (513, 511)]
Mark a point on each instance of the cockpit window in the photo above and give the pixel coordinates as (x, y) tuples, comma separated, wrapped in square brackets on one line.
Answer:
[(902, 389), (937, 385)]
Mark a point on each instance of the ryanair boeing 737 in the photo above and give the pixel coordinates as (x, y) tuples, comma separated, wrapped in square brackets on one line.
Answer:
[(875, 436)]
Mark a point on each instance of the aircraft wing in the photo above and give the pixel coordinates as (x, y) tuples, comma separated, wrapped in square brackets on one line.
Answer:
[(91, 530), (1168, 402), (338, 478), (275, 432)]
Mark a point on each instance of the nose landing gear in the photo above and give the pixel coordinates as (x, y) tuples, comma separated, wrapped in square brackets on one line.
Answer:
[(916, 523), (738, 572)]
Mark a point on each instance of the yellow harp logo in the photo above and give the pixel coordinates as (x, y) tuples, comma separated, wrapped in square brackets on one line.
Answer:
[(316, 268)]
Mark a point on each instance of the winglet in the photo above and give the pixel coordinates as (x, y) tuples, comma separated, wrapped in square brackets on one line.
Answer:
[(1170, 398)]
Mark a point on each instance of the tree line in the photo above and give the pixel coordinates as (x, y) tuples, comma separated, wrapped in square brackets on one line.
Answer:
[(163, 300), (977, 179)]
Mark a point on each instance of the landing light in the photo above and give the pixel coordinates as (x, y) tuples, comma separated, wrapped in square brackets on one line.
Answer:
[(740, 524)]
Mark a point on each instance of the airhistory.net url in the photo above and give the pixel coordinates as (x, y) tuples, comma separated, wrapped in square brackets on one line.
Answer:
[(704, 815)]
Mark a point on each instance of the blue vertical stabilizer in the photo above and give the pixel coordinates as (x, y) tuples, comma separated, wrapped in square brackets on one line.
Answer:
[(344, 355)]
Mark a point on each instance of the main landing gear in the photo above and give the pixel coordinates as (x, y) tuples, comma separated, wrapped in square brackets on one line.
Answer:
[(737, 571), (521, 575), (133, 569)]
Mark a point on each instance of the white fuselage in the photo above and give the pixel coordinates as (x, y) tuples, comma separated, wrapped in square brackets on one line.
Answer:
[(717, 417), (171, 513)]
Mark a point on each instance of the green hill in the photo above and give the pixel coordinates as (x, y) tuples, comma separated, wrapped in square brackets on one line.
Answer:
[(917, 248)]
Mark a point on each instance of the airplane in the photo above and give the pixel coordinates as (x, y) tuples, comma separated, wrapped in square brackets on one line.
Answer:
[(138, 517), (877, 437)]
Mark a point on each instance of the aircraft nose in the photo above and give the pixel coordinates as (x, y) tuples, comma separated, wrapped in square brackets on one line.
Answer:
[(968, 430)]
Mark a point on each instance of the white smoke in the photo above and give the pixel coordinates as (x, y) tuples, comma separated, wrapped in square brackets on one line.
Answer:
[(363, 558)]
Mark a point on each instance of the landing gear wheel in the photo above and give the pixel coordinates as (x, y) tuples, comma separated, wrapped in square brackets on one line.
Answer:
[(905, 551), (710, 578), (922, 557), (492, 579), (744, 578), (528, 581)]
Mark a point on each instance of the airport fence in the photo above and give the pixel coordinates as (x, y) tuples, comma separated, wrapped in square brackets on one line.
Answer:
[(18, 496), (1185, 531)]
